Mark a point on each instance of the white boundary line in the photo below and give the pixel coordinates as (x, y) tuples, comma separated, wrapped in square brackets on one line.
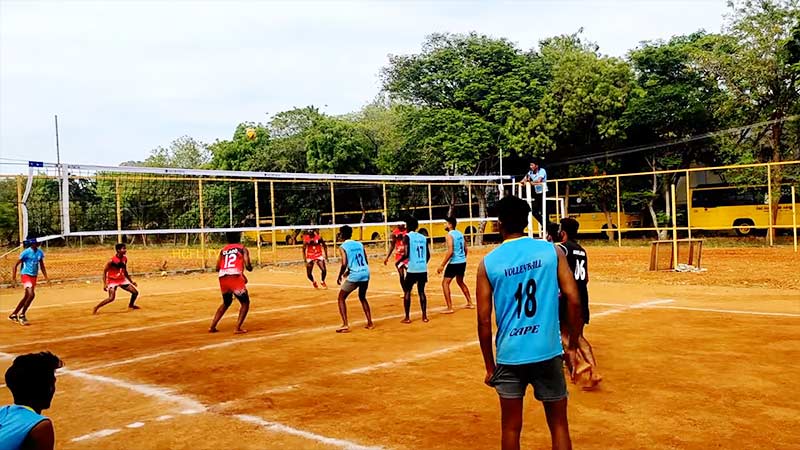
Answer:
[(402, 361), (730, 311), (167, 324), (231, 342), (280, 428)]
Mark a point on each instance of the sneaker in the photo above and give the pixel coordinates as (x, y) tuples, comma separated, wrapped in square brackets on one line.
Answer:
[(13, 318), (314, 283), (324, 285), (22, 320)]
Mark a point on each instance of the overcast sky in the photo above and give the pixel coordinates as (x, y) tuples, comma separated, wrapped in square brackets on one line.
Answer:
[(126, 77)]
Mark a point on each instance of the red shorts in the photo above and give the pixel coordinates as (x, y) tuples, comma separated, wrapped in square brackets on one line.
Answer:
[(235, 284), (311, 258), (28, 281)]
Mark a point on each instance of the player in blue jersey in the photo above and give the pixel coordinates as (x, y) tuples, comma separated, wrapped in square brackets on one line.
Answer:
[(454, 264), (32, 382), (520, 280), (417, 255), (31, 259), (356, 267)]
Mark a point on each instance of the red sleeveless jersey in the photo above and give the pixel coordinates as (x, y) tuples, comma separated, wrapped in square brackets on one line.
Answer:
[(232, 260), (399, 245), (116, 272), (313, 246)]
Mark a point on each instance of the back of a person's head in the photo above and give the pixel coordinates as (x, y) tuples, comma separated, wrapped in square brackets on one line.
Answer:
[(512, 212), (553, 232), (31, 376), (346, 231), (119, 246), (412, 223), (570, 227), (452, 221), (233, 237)]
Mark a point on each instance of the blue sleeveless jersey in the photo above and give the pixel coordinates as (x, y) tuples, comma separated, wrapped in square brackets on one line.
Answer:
[(356, 261), (15, 423), (417, 253), (459, 255), (523, 273)]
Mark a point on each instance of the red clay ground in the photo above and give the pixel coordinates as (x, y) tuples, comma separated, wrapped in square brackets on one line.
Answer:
[(713, 368)]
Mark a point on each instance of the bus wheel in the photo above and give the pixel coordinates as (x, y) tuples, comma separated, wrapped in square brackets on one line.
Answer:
[(605, 234), (423, 232), (376, 236), (743, 227)]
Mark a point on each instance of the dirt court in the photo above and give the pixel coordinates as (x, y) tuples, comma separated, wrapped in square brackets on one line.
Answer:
[(690, 360)]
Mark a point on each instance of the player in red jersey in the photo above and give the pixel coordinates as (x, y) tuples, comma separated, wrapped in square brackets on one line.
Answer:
[(399, 248), (232, 261), (115, 275), (315, 251)]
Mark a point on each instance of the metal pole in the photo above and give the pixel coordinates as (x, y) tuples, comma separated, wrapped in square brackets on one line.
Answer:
[(500, 186), (258, 224), (430, 213), (769, 202), (202, 225), (58, 148), (385, 220), (20, 216), (559, 210), (674, 230), (794, 219), (542, 231), (474, 228), (530, 214), (619, 217), (274, 231), (333, 218), (689, 206), (119, 210)]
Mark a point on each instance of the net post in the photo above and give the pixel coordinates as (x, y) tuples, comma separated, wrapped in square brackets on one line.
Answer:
[(469, 202), (689, 206), (794, 218), (202, 225), (619, 217), (258, 223), (530, 214), (385, 220), (65, 230), (545, 219), (20, 217), (558, 205), (769, 202), (430, 213), (333, 217), (674, 229), (274, 232), (118, 196), (230, 204)]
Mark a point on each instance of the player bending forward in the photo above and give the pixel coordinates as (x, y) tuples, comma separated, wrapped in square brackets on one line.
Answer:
[(115, 275), (232, 261)]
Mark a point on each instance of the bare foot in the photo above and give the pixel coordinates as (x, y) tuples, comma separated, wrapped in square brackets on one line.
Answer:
[(593, 383), (343, 329), (94, 310), (134, 307), (240, 331), (406, 320), (448, 311), (212, 330), (470, 306), (369, 326), (425, 319), (582, 367)]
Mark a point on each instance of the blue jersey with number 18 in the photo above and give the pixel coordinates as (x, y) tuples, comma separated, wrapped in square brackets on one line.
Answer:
[(356, 261), (523, 273)]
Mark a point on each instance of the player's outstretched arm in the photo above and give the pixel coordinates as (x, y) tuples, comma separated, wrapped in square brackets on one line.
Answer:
[(324, 248), (391, 249), (428, 255), (247, 263), (14, 272), (106, 269), (407, 243), (484, 298), (303, 250)]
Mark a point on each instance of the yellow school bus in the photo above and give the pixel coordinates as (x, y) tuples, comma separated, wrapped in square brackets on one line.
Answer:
[(742, 209)]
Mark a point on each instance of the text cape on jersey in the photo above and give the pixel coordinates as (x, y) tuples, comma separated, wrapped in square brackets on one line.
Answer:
[(523, 273)]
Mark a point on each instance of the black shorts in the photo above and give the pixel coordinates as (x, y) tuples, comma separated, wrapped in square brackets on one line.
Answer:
[(562, 309), (455, 270), (546, 377), (413, 278)]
